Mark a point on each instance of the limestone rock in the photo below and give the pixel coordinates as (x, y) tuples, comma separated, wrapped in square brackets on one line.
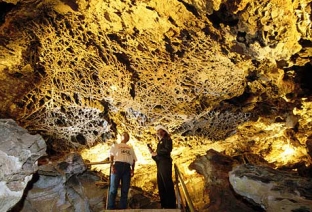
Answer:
[(64, 185), (19, 152), (274, 190), (215, 167)]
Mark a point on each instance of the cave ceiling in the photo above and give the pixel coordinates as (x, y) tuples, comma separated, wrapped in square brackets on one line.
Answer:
[(231, 75)]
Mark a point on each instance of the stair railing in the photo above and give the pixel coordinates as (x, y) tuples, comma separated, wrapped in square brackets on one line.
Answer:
[(186, 200)]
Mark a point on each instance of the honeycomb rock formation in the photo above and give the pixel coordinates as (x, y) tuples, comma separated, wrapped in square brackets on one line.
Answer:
[(94, 77), (84, 67)]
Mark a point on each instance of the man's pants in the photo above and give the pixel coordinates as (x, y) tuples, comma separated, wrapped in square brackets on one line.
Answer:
[(123, 175)]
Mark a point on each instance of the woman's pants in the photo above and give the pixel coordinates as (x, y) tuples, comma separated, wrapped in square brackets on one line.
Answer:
[(165, 183)]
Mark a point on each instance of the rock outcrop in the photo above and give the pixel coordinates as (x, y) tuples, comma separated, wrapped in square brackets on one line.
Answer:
[(272, 189), (67, 184), (19, 152), (217, 192), (64, 185)]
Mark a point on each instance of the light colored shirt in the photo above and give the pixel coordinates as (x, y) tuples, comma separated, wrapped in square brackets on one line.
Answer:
[(123, 153)]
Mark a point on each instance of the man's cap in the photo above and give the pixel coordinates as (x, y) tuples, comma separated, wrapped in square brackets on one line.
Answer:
[(158, 127)]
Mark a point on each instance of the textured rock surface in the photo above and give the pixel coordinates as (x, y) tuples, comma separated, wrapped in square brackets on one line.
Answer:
[(19, 152), (272, 189), (217, 192), (63, 185), (87, 69)]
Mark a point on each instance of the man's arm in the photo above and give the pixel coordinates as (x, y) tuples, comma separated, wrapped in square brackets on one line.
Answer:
[(112, 164), (132, 168)]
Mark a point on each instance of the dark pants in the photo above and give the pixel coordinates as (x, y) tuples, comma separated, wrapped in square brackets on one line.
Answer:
[(123, 175), (165, 183)]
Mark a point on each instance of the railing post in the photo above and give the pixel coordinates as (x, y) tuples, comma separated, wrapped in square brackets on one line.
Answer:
[(184, 189), (177, 189)]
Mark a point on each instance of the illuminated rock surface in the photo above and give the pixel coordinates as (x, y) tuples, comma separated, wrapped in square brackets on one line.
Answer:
[(217, 192), (233, 76)]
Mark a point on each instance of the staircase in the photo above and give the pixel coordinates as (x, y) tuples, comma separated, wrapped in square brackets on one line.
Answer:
[(184, 201)]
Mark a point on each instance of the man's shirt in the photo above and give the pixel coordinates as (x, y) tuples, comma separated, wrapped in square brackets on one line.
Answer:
[(123, 153)]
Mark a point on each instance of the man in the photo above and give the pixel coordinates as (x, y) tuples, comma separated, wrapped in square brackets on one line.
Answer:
[(163, 161), (123, 158)]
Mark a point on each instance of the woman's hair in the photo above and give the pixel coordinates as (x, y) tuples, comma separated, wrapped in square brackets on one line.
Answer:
[(126, 135), (166, 133)]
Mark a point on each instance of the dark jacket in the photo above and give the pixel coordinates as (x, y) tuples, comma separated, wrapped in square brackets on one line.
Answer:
[(164, 148)]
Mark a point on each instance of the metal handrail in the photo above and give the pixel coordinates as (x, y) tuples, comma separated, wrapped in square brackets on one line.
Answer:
[(184, 189), (97, 163)]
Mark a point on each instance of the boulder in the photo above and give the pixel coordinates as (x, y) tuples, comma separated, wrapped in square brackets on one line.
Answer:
[(219, 196), (64, 184), (272, 189), (19, 152)]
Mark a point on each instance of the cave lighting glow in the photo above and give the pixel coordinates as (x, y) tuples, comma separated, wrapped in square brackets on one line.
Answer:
[(100, 152), (284, 153), (289, 151), (305, 112), (276, 146)]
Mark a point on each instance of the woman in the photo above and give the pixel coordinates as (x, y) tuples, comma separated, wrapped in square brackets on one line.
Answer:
[(163, 161)]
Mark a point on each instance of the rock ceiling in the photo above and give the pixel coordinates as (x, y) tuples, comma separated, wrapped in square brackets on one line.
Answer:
[(228, 75)]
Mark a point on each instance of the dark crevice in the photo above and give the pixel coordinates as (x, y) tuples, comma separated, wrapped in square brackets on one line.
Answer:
[(5, 8), (150, 8), (222, 16), (305, 43), (190, 8), (124, 59), (239, 100), (303, 78), (72, 4), (169, 47), (241, 37), (172, 21), (80, 138)]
